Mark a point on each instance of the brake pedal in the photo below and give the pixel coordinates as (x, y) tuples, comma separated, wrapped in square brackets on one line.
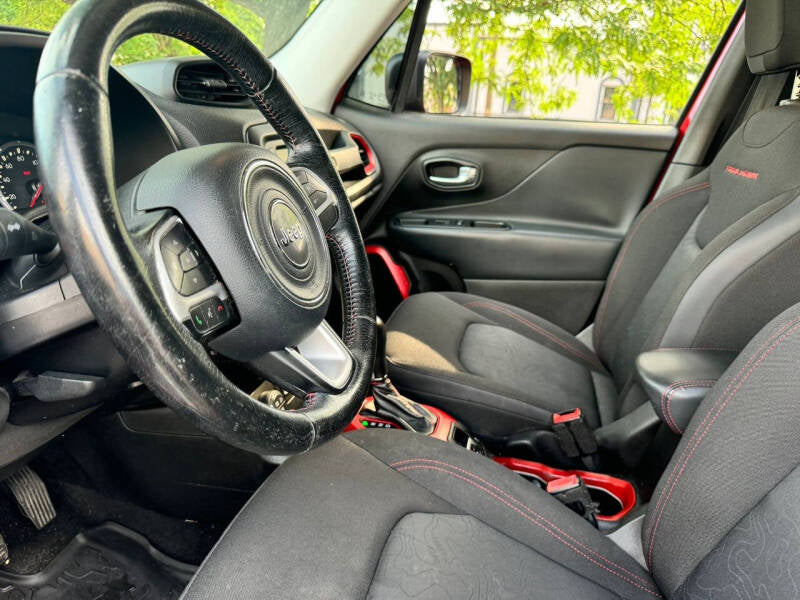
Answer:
[(31, 496)]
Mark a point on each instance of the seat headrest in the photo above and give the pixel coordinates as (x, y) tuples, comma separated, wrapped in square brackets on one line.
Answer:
[(772, 35)]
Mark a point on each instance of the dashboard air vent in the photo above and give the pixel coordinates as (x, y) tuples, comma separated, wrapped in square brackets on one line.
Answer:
[(365, 153), (208, 84)]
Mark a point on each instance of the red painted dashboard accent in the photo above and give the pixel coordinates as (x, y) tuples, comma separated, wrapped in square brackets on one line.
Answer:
[(372, 164), (397, 272), (443, 430), (619, 488)]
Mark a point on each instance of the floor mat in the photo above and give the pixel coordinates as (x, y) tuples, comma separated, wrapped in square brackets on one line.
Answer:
[(108, 562)]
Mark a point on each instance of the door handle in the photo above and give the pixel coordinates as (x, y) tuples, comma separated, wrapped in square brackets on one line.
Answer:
[(467, 177)]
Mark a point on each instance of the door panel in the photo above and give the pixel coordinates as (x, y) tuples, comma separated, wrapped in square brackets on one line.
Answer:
[(543, 225)]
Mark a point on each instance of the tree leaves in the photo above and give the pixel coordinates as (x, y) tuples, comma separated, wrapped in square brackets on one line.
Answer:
[(657, 49), (268, 23)]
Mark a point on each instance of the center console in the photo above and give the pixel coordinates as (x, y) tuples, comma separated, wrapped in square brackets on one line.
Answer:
[(613, 498)]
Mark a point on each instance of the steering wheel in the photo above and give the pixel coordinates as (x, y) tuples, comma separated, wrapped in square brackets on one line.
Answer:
[(218, 249)]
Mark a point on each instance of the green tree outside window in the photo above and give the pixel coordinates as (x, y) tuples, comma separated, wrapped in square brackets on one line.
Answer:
[(268, 23)]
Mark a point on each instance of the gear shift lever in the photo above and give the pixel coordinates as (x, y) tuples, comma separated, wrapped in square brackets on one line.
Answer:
[(391, 403)]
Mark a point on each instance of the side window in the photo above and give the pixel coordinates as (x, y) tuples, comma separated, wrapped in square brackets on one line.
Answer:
[(369, 84), (631, 61)]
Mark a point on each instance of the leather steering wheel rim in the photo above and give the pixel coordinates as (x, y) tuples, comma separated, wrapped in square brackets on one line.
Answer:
[(74, 139)]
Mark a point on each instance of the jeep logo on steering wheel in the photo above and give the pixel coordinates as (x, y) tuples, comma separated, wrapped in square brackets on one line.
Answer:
[(289, 233), (287, 236)]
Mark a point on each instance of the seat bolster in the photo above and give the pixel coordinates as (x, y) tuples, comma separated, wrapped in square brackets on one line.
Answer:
[(531, 326), (494, 367), (511, 505), (743, 439), (326, 525), (771, 532), (484, 407), (315, 529)]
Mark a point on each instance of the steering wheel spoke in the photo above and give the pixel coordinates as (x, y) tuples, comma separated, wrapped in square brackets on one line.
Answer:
[(319, 363), (322, 198), (188, 281)]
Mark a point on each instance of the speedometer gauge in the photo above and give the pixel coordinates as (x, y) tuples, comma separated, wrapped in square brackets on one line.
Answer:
[(20, 187)]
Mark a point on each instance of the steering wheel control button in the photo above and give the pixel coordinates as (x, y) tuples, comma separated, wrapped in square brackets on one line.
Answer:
[(173, 264), (209, 315), (289, 233), (318, 198), (175, 240), (197, 279), (329, 216), (188, 260)]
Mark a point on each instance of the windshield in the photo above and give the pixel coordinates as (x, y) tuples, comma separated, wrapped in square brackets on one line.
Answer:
[(268, 23)]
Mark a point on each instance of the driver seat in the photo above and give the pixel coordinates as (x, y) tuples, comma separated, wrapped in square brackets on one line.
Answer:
[(390, 514)]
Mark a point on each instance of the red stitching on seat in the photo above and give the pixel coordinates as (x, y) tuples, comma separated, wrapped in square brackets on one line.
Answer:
[(588, 358), (708, 413), (667, 397), (733, 393), (699, 348), (522, 505), (601, 311), (529, 518)]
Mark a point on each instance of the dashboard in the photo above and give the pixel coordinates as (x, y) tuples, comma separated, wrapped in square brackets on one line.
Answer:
[(47, 331)]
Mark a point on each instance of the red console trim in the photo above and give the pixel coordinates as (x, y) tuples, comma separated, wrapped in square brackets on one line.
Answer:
[(444, 424), (443, 430), (397, 272), (619, 488)]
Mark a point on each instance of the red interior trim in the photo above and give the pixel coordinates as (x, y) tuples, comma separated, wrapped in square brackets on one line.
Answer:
[(695, 105), (619, 488), (443, 430), (371, 165), (397, 272), (339, 96)]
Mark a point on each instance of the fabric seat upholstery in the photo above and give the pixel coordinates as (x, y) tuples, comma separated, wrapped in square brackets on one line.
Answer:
[(704, 265), (496, 366), (391, 514), (383, 514)]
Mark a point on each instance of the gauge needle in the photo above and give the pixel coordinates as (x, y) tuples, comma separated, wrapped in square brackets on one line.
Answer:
[(36, 196)]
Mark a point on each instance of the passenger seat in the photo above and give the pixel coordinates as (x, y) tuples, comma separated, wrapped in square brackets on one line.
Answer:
[(705, 265)]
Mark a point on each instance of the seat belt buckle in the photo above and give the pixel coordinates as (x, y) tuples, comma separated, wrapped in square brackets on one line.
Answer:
[(572, 492), (574, 435)]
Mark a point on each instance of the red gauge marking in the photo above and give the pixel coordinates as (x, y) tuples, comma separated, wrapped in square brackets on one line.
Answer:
[(26, 173), (36, 196)]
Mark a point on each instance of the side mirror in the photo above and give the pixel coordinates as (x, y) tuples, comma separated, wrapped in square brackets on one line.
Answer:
[(440, 84)]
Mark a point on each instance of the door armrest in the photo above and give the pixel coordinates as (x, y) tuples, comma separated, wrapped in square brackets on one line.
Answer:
[(677, 380)]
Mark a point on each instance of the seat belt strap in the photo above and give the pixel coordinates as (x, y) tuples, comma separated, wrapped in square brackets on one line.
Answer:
[(574, 435)]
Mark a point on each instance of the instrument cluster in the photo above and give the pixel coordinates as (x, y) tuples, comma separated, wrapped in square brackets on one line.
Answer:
[(20, 187)]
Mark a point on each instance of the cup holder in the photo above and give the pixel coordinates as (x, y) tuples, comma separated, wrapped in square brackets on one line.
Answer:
[(608, 504), (615, 497)]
